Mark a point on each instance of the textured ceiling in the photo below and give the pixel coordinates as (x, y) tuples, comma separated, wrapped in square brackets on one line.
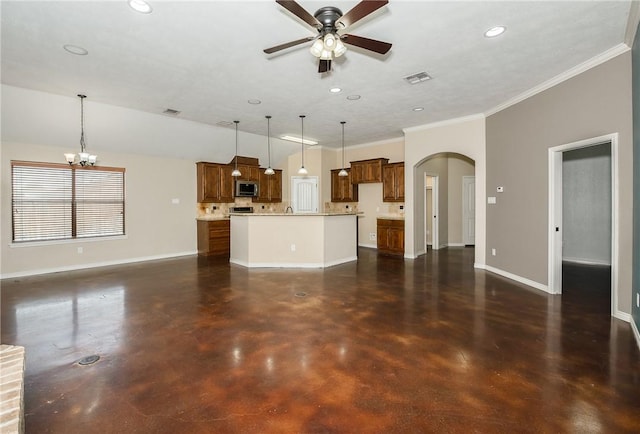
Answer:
[(205, 59)]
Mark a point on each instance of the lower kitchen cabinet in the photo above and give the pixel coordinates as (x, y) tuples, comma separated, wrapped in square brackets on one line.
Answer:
[(214, 238), (390, 235)]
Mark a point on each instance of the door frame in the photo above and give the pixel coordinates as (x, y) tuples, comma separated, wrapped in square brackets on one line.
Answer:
[(555, 215), (435, 227), (465, 197)]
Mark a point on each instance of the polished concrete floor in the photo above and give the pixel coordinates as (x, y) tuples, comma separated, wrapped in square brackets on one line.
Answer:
[(383, 345)]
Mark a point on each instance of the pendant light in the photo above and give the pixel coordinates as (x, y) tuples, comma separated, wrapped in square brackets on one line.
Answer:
[(302, 170), (84, 157), (269, 170), (343, 172), (236, 172)]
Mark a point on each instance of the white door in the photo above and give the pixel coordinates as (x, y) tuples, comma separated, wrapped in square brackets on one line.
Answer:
[(304, 194), (431, 215), (469, 210)]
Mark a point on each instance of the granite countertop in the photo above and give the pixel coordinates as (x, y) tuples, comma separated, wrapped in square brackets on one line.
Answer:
[(209, 217), (281, 214), (391, 217)]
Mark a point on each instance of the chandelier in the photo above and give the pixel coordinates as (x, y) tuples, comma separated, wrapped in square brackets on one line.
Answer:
[(84, 158)]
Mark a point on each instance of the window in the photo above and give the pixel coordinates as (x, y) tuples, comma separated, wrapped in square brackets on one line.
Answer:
[(58, 202)]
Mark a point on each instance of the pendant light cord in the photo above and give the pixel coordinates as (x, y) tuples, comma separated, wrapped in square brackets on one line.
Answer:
[(82, 143), (302, 137), (236, 166), (343, 122), (269, 138)]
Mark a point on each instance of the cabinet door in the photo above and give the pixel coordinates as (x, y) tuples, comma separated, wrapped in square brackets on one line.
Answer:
[(388, 183), (400, 182), (208, 180), (227, 185), (276, 187), (395, 239), (263, 188)]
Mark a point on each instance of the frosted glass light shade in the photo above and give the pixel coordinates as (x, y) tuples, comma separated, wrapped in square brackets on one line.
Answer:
[(343, 173), (303, 171), (70, 158), (340, 48), (317, 47), (236, 173), (269, 171)]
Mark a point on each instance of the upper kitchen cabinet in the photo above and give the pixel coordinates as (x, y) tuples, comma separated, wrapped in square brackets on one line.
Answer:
[(270, 187), (365, 171), (393, 182), (214, 182), (249, 168), (342, 188)]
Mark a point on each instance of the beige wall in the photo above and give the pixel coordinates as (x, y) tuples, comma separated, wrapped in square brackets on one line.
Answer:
[(592, 104), (464, 136), (155, 227)]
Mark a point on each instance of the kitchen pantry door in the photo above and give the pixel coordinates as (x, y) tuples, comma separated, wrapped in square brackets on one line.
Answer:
[(304, 194)]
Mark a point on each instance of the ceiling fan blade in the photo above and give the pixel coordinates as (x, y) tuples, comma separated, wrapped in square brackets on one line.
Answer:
[(288, 45), (324, 66), (359, 11), (366, 43), (300, 12)]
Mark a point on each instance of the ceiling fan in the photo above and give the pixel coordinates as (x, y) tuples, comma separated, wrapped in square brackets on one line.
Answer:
[(328, 21)]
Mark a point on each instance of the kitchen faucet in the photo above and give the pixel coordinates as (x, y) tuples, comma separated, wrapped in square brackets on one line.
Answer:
[(286, 211)]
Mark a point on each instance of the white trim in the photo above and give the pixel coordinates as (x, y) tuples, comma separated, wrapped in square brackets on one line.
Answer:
[(555, 207), (636, 333), (479, 266), (95, 265), (293, 264), (623, 316), (444, 123), (14, 245), (370, 246), (586, 261), (455, 245), (564, 76), (517, 278)]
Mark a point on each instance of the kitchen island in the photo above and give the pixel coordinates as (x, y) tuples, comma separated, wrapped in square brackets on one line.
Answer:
[(293, 240)]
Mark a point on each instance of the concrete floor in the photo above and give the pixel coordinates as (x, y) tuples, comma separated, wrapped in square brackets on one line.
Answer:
[(380, 345)]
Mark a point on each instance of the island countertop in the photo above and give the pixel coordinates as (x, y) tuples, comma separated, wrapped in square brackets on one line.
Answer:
[(282, 214)]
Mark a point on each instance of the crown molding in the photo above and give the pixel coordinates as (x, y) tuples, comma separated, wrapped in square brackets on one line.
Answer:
[(566, 75), (632, 23), (378, 143), (444, 123)]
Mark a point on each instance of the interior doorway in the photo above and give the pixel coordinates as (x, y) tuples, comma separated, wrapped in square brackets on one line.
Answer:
[(557, 218), (304, 194), (431, 212)]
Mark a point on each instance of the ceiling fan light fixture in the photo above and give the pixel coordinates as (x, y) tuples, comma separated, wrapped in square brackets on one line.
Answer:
[(316, 48), (326, 55), (329, 41), (340, 48)]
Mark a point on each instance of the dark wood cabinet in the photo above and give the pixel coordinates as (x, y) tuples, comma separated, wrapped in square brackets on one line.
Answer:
[(214, 238), (390, 235), (393, 182), (214, 182), (365, 171), (248, 173), (342, 189), (270, 187)]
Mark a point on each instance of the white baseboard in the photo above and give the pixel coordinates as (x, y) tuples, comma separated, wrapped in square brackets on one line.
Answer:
[(371, 246), (519, 279), (636, 333), (479, 266), (293, 264), (622, 316), (455, 244), (583, 261), (95, 265)]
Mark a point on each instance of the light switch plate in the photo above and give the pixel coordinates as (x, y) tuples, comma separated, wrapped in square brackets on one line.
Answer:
[(491, 199)]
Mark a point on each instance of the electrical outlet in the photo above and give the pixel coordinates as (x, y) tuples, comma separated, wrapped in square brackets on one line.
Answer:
[(493, 252), (175, 201), (372, 236), (80, 250), (293, 247)]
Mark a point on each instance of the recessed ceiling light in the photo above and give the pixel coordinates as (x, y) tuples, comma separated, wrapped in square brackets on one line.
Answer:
[(297, 140), (494, 31), (254, 101), (335, 90), (140, 6), (353, 97), (418, 109), (74, 49)]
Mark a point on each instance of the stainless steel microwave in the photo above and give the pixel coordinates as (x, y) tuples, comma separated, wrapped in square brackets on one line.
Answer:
[(246, 189)]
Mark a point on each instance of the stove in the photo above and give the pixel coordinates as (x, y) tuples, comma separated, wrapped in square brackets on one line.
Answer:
[(241, 209)]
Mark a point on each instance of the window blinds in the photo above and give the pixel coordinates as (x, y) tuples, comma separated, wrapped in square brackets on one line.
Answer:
[(53, 202)]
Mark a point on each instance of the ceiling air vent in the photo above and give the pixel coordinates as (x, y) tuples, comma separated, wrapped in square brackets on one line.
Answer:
[(417, 78), (171, 112)]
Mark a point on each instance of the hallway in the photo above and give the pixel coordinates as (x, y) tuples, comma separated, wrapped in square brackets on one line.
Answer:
[(380, 345)]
